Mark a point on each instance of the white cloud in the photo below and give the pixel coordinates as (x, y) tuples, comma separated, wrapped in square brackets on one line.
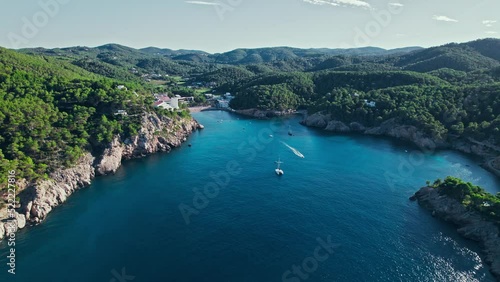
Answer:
[(443, 19), (490, 32), (203, 3), (396, 4), (489, 23), (321, 2), (352, 3)]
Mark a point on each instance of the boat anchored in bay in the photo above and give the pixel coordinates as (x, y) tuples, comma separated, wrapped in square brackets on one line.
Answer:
[(278, 170)]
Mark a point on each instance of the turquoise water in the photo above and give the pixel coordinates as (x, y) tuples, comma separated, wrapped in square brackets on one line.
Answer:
[(352, 190)]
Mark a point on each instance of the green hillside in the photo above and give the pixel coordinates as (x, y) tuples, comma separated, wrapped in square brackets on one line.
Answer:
[(52, 111), (57, 103)]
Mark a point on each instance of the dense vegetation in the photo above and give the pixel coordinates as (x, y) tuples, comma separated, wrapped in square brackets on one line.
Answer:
[(57, 103), (438, 107), (471, 196), (226, 75), (453, 90), (51, 112)]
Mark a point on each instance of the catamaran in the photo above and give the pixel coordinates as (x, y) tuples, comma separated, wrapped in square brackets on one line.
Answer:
[(278, 170)]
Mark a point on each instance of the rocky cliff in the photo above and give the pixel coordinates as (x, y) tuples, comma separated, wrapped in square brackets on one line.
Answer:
[(391, 128), (494, 164), (489, 152), (157, 134), (263, 114), (470, 224), (388, 128)]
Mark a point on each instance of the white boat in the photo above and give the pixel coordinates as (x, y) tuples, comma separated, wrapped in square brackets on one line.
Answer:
[(278, 170)]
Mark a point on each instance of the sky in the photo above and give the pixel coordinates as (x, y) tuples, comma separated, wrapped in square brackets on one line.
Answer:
[(223, 25)]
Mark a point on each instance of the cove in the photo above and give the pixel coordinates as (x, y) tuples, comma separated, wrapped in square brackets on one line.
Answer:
[(259, 227)]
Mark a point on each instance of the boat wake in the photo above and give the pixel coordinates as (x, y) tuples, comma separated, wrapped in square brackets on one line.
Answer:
[(295, 151)]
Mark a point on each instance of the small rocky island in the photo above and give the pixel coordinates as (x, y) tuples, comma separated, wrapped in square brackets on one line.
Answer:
[(471, 208)]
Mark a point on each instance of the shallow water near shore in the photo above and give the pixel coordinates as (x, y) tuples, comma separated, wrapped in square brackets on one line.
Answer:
[(353, 189)]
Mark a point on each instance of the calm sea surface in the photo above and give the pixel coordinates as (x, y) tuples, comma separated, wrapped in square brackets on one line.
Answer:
[(241, 222)]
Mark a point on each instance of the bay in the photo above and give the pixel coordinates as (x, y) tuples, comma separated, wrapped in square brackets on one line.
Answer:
[(352, 189)]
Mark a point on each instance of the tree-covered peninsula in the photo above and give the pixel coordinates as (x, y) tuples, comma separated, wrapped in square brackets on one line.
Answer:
[(473, 210)]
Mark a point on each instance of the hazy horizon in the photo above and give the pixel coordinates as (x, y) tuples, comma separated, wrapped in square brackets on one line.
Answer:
[(248, 48), (218, 26)]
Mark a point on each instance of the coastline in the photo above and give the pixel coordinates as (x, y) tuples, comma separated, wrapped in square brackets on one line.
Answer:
[(296, 120), (489, 154), (258, 114), (470, 224), (37, 200)]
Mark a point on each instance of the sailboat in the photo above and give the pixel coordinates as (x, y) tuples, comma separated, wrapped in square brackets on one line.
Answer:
[(278, 170)]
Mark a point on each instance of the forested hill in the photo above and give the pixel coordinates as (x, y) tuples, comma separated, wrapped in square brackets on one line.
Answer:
[(116, 61), (57, 103), (51, 111), (448, 92)]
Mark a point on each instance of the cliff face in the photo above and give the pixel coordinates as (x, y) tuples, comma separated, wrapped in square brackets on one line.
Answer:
[(470, 224), (388, 128), (495, 165), (156, 134), (38, 200), (489, 152)]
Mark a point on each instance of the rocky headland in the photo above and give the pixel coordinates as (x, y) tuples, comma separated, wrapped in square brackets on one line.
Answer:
[(471, 224), (157, 134)]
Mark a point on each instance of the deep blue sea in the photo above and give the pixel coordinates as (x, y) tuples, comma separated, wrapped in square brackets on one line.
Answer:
[(340, 214)]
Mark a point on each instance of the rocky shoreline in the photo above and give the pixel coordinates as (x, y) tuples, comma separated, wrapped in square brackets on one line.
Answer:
[(470, 224), (264, 114), (489, 153), (157, 134)]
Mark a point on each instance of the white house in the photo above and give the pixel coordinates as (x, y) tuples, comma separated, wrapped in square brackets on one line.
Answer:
[(164, 105), (121, 112), (224, 104), (370, 104), (121, 87), (174, 103), (167, 103), (228, 96)]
